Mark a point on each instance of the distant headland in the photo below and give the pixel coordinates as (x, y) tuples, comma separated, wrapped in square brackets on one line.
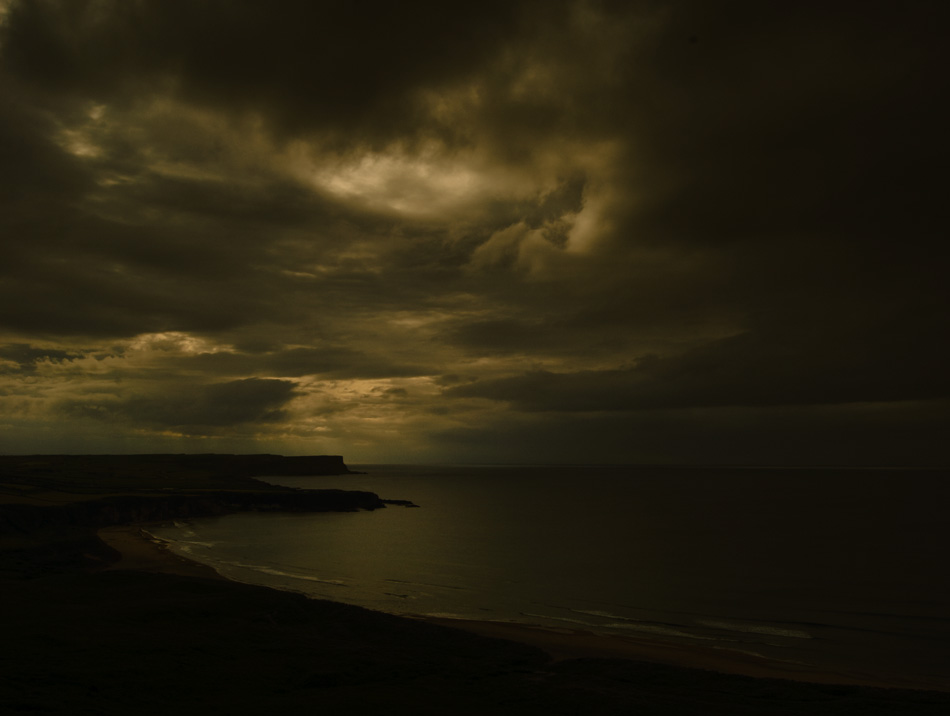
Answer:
[(53, 504), (210, 463)]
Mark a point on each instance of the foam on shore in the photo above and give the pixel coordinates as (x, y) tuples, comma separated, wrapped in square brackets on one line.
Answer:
[(142, 552)]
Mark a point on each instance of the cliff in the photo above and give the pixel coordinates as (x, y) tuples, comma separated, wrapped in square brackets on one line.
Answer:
[(51, 505), (57, 479), (124, 509)]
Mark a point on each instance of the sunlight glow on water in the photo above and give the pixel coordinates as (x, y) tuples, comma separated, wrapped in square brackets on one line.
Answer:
[(840, 570)]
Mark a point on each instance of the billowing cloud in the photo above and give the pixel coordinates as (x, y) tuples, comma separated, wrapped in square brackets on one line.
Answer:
[(392, 230), (23, 357)]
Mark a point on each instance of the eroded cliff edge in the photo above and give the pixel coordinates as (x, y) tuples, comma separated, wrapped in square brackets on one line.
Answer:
[(51, 505)]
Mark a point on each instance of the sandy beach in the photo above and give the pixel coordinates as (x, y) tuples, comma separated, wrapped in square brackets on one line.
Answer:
[(565, 644), (141, 552), (138, 551), (153, 634)]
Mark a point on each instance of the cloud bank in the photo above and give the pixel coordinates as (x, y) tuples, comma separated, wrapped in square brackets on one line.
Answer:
[(564, 231)]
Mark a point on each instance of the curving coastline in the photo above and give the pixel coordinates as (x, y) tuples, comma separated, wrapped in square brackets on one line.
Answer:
[(52, 505), (114, 624)]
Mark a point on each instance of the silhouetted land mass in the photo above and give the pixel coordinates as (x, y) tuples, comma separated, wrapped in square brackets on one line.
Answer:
[(51, 505), (99, 474), (81, 637)]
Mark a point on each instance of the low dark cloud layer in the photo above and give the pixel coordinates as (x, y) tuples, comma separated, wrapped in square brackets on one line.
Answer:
[(660, 232), (196, 407), (22, 357)]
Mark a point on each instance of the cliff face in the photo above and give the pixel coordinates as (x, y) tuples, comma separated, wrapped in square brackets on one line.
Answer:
[(222, 464), (37, 541), (51, 505), (54, 478), (30, 519)]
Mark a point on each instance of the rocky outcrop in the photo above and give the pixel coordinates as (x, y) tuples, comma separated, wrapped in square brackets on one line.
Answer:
[(56, 478), (55, 503)]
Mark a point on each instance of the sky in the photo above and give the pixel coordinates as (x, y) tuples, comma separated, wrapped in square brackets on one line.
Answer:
[(519, 231)]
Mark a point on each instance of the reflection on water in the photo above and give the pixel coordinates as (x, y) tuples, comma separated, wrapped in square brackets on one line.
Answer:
[(832, 568)]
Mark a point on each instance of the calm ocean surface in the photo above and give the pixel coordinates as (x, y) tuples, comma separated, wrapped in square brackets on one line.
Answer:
[(843, 570)]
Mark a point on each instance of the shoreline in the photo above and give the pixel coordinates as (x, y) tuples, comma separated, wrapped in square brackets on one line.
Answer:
[(141, 552), (566, 644), (105, 618)]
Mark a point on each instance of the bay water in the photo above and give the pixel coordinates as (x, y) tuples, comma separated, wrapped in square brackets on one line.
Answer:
[(836, 570)]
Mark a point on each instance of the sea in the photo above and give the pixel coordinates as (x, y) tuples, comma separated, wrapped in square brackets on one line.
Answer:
[(842, 571)]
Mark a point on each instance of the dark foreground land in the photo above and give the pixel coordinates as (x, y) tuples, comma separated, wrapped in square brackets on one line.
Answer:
[(87, 631)]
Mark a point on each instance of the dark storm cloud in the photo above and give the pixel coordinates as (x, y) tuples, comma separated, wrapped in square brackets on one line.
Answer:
[(146, 266), (272, 203), (34, 169), (91, 296), (182, 255), (836, 103), (146, 255), (335, 363), (307, 65), (567, 196), (555, 326), (900, 434), (818, 124), (801, 151), (26, 356), (500, 335), (67, 272), (680, 219), (252, 400), (746, 370)]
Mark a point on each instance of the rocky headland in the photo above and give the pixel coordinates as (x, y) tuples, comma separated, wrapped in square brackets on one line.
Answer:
[(52, 505)]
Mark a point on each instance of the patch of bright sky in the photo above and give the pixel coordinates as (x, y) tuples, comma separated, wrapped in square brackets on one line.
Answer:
[(82, 141), (174, 341), (428, 185)]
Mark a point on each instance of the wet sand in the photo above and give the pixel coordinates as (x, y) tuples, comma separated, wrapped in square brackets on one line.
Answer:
[(141, 552), (564, 644)]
